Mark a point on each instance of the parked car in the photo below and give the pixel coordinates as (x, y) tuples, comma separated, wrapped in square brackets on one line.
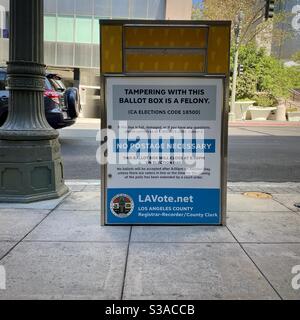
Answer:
[(62, 105)]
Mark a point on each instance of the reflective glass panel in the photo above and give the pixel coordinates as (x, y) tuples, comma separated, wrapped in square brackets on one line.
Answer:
[(50, 6), (156, 9), (138, 9), (65, 29), (65, 54), (83, 55), (50, 28), (102, 8), (65, 7), (84, 7), (120, 8), (83, 29), (96, 29)]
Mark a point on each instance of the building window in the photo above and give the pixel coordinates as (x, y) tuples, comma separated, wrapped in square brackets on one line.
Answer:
[(50, 28), (96, 56), (84, 7), (157, 9), (96, 33), (120, 8), (83, 55), (83, 29), (65, 29), (103, 8), (65, 54), (50, 53), (138, 9), (65, 7), (50, 6), (4, 18)]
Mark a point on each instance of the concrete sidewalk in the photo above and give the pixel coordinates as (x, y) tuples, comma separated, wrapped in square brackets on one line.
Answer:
[(57, 250)]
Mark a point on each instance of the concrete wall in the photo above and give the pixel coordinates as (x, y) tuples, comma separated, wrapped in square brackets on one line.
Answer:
[(179, 9)]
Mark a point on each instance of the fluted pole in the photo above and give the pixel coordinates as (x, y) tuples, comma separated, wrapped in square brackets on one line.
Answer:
[(30, 163), (26, 74)]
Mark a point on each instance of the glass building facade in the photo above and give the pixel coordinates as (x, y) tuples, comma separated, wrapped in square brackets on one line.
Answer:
[(72, 27), (72, 40), (4, 19), (4, 22)]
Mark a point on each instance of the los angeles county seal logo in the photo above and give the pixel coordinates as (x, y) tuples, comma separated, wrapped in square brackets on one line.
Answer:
[(121, 205)]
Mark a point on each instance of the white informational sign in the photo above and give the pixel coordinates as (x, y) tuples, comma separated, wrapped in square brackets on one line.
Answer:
[(164, 150)]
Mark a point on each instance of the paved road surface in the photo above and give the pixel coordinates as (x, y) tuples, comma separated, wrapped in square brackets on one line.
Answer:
[(264, 154), (255, 154)]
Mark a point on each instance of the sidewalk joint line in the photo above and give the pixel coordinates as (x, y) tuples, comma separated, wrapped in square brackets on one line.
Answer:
[(126, 262), (71, 241), (185, 242), (266, 134), (275, 243), (156, 242), (21, 240), (278, 201), (254, 263)]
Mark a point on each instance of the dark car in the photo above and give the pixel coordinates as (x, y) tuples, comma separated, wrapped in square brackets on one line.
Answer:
[(62, 105)]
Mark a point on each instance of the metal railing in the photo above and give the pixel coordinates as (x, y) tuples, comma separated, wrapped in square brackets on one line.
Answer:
[(295, 94), (294, 100)]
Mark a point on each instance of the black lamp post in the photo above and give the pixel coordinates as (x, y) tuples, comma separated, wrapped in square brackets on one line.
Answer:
[(31, 167)]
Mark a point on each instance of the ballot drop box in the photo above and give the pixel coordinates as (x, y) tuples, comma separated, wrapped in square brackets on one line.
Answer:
[(164, 113)]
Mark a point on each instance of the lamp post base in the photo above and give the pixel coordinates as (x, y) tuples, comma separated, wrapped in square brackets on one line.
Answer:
[(31, 171)]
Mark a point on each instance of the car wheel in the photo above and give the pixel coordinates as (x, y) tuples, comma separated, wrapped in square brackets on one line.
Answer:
[(72, 102)]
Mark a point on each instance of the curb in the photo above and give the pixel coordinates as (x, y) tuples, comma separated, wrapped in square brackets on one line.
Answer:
[(267, 123)]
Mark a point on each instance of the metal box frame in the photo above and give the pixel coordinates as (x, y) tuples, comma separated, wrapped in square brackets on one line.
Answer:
[(224, 111)]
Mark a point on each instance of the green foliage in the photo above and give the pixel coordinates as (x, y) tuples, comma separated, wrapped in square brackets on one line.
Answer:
[(246, 85), (265, 99), (264, 73), (197, 14), (296, 56), (292, 109), (197, 10)]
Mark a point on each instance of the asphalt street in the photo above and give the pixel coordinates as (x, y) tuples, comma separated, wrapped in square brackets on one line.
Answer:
[(269, 154)]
